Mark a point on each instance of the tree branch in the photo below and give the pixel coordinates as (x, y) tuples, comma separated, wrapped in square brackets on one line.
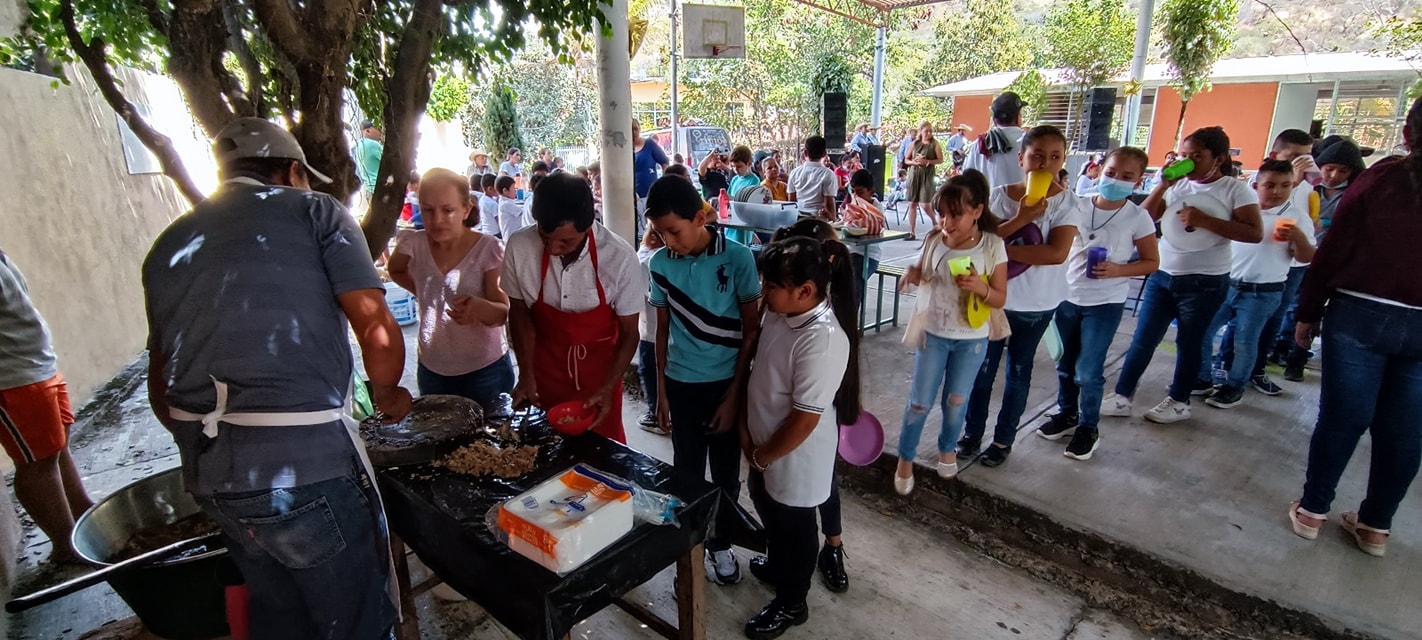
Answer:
[(93, 56), (250, 67), (1302, 48), (156, 17), (282, 29), (197, 40), (409, 90)]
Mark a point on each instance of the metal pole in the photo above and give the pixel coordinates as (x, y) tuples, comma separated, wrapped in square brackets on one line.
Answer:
[(614, 95), (879, 49), (675, 119), (1138, 63)]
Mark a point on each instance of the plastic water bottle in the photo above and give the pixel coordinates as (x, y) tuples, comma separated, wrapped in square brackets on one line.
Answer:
[(1178, 169), (723, 205), (1094, 256)]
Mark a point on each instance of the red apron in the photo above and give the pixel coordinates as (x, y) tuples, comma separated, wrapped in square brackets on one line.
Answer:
[(573, 353)]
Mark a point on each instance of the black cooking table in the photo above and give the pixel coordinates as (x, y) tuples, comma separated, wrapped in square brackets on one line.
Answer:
[(441, 515)]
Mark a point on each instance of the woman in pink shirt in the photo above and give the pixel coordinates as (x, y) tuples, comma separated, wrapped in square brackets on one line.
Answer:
[(453, 271)]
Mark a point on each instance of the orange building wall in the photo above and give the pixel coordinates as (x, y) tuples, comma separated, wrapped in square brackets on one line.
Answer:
[(1246, 111), (974, 111)]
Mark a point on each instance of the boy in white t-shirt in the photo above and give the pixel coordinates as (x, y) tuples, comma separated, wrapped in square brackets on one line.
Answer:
[(812, 185), (510, 211), (1039, 237), (1098, 282), (1257, 281)]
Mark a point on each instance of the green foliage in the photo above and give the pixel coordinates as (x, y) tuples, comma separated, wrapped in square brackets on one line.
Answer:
[(1030, 86), (500, 128), (831, 74), (1091, 40), (1196, 34), (987, 38), (449, 98), (1401, 37), (560, 96)]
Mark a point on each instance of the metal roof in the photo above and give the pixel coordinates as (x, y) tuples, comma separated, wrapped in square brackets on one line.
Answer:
[(1311, 67)]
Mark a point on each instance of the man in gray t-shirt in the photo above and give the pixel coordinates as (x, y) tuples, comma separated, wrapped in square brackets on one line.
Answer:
[(248, 298), (35, 417)]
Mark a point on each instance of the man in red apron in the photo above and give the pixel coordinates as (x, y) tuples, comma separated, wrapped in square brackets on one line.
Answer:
[(575, 290)]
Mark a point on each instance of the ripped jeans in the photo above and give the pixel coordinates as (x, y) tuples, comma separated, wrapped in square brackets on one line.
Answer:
[(952, 365)]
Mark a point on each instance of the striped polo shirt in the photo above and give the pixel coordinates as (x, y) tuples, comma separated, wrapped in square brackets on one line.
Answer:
[(703, 294)]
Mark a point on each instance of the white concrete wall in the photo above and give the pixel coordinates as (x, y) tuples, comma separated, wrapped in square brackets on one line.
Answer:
[(76, 222)]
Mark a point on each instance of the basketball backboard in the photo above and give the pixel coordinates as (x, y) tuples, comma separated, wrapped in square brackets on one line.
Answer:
[(713, 31)]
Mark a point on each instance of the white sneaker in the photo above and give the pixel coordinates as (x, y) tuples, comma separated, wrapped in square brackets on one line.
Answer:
[(947, 470), (1169, 411), (722, 567), (1116, 406)]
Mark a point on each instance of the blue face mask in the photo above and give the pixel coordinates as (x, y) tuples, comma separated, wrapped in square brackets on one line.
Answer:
[(1113, 189)]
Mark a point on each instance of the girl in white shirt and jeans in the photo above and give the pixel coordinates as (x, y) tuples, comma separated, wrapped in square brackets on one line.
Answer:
[(804, 381), (947, 349)]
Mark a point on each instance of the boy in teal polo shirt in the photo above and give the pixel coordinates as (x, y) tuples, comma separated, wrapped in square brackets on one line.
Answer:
[(706, 291)]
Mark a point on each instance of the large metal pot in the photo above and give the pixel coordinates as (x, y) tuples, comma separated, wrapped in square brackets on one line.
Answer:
[(181, 599)]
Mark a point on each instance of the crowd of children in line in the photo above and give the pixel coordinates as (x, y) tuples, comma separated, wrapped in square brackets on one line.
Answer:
[(757, 359)]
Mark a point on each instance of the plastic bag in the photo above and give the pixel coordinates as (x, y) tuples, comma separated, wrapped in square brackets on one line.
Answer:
[(655, 508), (362, 407)]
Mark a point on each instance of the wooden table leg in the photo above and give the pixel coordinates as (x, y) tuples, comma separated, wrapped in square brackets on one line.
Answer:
[(409, 625), (691, 594)]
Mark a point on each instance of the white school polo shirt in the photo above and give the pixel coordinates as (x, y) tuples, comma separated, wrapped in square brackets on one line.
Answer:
[(799, 364)]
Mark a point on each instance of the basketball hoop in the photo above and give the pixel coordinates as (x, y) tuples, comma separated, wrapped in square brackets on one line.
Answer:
[(718, 49)]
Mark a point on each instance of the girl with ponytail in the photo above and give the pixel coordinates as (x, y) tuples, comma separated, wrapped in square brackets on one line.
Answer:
[(1363, 286), (804, 383)]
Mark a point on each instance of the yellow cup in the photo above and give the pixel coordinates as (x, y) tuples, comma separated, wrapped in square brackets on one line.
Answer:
[(1038, 182), (961, 265)]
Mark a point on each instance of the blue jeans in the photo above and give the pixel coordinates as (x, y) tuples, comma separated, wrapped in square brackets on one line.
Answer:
[(1246, 313), (1192, 301), (952, 365), (647, 373), (1279, 333), (1373, 383), (482, 385), (1081, 372), (1028, 327), (316, 558)]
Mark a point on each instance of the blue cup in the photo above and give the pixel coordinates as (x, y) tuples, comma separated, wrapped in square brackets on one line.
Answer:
[(520, 194)]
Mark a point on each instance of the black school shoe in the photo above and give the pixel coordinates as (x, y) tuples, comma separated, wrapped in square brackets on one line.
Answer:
[(1083, 444), (1225, 398), (1058, 425), (994, 456), (832, 568), (968, 447), (775, 619), (760, 569), (1203, 388)]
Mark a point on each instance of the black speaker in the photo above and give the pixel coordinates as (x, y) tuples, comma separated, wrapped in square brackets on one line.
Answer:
[(833, 116), (874, 162), (1098, 120)]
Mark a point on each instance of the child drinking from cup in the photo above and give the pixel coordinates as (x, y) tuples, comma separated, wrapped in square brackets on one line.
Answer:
[(949, 345), (1098, 282), (1039, 228)]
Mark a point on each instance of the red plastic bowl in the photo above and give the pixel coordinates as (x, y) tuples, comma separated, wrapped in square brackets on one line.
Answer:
[(571, 418)]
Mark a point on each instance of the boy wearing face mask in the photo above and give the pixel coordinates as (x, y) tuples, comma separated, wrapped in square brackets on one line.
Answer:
[(1098, 273)]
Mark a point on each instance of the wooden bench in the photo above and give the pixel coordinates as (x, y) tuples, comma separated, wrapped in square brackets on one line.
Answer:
[(883, 271)]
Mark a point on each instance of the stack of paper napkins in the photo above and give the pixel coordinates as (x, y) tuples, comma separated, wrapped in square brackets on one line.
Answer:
[(567, 520)]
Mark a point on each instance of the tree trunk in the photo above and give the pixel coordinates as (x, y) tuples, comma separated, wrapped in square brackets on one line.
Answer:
[(92, 54), (1180, 124), (409, 91), (197, 43)]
